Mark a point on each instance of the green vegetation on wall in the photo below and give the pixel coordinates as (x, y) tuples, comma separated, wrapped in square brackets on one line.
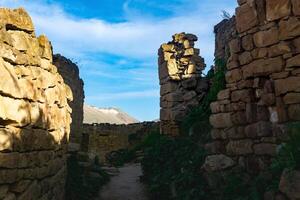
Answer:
[(81, 185), (196, 124)]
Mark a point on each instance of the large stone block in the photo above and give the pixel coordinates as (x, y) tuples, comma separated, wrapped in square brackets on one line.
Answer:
[(217, 163), (239, 147), (290, 184), (246, 17), (294, 112), (289, 28), (296, 7), (266, 38), (245, 95), (277, 9), (290, 84), (293, 62), (259, 129), (263, 67), (233, 76), (222, 120), (16, 19), (265, 149)]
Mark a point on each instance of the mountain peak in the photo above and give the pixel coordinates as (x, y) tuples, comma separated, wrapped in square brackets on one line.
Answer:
[(93, 114)]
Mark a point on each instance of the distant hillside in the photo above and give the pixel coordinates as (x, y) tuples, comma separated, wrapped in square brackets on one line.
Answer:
[(106, 115)]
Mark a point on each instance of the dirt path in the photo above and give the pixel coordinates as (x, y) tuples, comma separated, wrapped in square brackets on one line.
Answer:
[(125, 186)]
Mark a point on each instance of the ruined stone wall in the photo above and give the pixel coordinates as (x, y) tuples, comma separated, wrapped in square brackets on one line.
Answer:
[(225, 31), (34, 113), (70, 73), (181, 84), (262, 91), (100, 139)]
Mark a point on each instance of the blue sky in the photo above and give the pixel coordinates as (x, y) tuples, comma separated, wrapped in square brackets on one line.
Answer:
[(115, 42)]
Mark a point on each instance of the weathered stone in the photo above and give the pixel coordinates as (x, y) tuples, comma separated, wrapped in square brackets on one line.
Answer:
[(239, 147), (217, 163), (224, 94), (245, 58), (16, 19), (290, 84), (294, 112), (245, 95), (290, 184), (293, 62), (189, 83), (233, 76), (279, 49), (3, 191), (246, 17), (277, 9), (236, 132), (291, 98), (265, 149), (190, 95), (259, 53), (247, 42), (238, 118), (289, 28), (218, 134), (235, 46), (259, 129), (266, 38), (296, 7), (263, 67), (222, 120)]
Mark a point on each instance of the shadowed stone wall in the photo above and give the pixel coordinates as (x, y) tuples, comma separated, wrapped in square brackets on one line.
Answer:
[(262, 91), (34, 113), (70, 73), (181, 85), (100, 139)]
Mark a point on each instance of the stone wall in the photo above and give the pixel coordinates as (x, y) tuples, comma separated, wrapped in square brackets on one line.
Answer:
[(224, 32), (100, 139), (34, 113), (262, 91), (181, 84), (70, 73)]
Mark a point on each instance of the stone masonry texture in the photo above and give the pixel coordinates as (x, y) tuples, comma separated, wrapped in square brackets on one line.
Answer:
[(181, 85), (101, 139), (70, 73), (34, 113), (262, 91)]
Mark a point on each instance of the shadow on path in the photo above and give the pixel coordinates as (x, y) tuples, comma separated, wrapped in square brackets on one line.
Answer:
[(125, 186)]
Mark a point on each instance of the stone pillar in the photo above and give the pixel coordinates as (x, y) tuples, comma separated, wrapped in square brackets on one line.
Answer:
[(181, 85), (70, 73), (34, 113)]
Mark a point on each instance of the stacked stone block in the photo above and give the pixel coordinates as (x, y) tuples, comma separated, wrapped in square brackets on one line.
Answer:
[(101, 139), (70, 73), (181, 85), (224, 32), (34, 113), (262, 91)]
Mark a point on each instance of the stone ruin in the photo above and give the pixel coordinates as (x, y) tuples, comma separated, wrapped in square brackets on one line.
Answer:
[(181, 85), (70, 73), (34, 113), (262, 92)]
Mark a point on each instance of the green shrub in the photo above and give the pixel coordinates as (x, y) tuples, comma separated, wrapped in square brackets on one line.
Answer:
[(171, 168), (198, 119), (79, 186), (120, 157)]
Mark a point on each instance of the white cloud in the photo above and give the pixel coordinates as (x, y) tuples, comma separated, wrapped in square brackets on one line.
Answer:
[(136, 38), (125, 95)]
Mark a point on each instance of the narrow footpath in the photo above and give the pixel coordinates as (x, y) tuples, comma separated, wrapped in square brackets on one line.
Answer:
[(126, 185)]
